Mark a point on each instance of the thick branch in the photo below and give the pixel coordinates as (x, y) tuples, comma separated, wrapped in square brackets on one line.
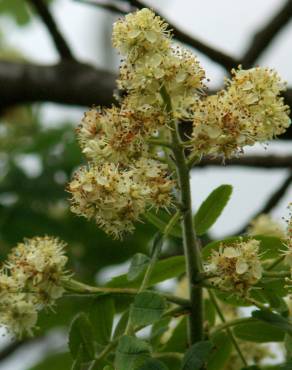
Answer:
[(67, 83), (269, 161), (47, 18), (265, 36)]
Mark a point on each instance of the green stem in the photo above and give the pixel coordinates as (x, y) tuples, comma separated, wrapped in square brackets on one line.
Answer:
[(190, 242), (276, 274), (231, 323), (160, 142), (85, 289), (172, 222), (228, 330), (275, 263)]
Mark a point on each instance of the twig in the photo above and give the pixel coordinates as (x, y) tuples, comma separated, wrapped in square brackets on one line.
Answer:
[(121, 8), (272, 202), (228, 330), (269, 161), (47, 18), (265, 36)]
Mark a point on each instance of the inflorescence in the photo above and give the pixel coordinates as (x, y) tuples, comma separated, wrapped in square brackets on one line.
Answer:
[(112, 189), (31, 280)]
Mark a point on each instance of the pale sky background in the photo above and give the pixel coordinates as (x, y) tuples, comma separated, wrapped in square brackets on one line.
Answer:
[(226, 24)]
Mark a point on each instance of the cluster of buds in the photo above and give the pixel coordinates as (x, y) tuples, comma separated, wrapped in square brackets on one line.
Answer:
[(249, 110), (235, 268), (30, 280)]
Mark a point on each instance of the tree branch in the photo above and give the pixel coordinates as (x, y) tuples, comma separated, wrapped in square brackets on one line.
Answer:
[(265, 36), (121, 7), (269, 161), (272, 201), (47, 18), (68, 82)]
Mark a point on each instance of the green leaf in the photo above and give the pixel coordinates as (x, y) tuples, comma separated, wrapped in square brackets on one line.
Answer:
[(122, 324), (210, 312), (163, 270), (153, 364), (178, 342), (160, 221), (138, 265), (221, 353), (212, 208), (81, 340), (131, 353), (197, 355), (273, 319), (259, 332), (147, 308), (101, 316), (158, 329)]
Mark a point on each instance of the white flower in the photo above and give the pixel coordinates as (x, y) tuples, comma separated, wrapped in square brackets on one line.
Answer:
[(236, 267)]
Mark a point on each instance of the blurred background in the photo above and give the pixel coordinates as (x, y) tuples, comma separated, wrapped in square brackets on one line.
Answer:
[(44, 90)]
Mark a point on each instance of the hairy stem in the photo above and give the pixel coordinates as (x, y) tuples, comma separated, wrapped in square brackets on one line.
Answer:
[(190, 242)]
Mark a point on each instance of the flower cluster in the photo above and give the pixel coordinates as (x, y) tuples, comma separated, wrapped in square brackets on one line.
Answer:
[(152, 61), (30, 280), (124, 178), (249, 110), (117, 134), (235, 267), (115, 197), (264, 224)]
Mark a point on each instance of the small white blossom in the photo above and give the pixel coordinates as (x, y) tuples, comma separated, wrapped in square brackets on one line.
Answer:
[(236, 267)]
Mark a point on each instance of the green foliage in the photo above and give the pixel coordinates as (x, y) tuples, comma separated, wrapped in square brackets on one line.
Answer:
[(131, 353), (160, 220), (81, 340), (274, 320), (211, 208), (222, 350), (197, 355), (101, 316), (138, 265), (147, 308), (259, 332), (19, 10), (163, 270), (153, 364)]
